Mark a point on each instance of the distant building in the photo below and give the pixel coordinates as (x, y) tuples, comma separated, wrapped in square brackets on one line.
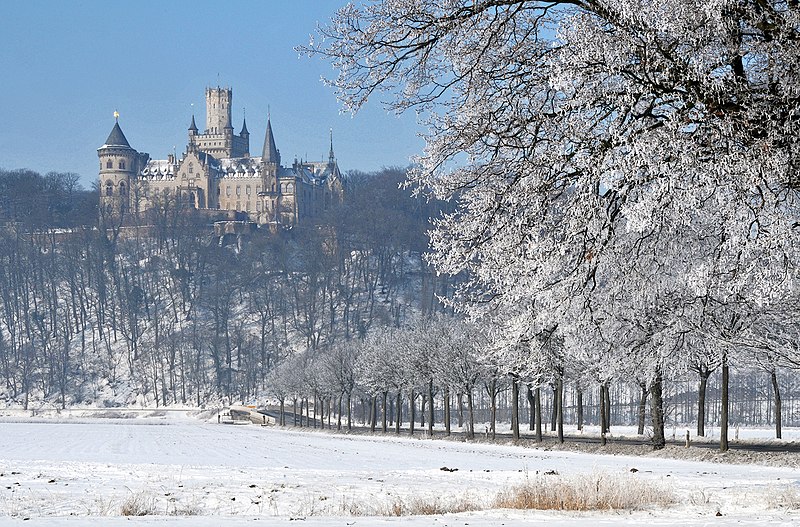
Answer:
[(216, 172)]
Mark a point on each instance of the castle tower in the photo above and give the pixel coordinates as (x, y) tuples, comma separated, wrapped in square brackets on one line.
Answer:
[(218, 110), (118, 167), (270, 164)]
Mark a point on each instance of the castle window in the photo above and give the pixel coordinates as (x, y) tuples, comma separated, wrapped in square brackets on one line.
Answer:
[(238, 205), (258, 189), (238, 190), (110, 164), (228, 191), (219, 191), (247, 206), (248, 190), (122, 189), (191, 168), (109, 188), (121, 165)]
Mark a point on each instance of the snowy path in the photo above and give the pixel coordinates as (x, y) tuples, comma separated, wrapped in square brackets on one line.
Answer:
[(61, 472)]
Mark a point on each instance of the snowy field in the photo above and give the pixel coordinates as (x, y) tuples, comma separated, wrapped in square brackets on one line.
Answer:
[(190, 472)]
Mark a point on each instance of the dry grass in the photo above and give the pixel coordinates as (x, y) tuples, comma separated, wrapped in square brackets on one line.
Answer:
[(138, 504), (585, 493), (416, 506), (784, 497)]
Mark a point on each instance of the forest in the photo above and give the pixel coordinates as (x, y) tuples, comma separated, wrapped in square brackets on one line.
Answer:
[(344, 319)]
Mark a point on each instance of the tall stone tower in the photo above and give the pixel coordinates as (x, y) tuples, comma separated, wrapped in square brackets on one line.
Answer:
[(218, 138), (218, 110), (119, 164)]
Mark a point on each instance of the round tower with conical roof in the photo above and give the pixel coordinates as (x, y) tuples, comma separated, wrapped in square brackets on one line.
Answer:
[(118, 162)]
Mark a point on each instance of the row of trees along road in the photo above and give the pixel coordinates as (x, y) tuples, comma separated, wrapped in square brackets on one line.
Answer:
[(625, 172)]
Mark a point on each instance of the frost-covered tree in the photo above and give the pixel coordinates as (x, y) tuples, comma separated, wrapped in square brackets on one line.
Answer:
[(610, 158)]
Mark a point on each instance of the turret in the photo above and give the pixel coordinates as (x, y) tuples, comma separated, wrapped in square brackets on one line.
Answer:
[(118, 167)]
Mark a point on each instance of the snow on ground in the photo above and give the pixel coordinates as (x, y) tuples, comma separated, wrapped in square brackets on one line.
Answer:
[(72, 471)]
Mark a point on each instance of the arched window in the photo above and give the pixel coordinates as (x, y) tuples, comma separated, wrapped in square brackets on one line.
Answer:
[(109, 188), (121, 164), (110, 164), (122, 189)]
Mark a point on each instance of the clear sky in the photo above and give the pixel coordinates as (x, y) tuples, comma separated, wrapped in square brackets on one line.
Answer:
[(65, 66)]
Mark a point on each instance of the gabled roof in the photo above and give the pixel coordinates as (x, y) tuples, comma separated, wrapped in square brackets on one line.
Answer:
[(116, 137)]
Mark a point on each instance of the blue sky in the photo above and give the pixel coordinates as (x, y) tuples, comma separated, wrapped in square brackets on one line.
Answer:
[(65, 66)]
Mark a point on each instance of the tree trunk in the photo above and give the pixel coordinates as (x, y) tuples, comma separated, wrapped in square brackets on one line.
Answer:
[(538, 409), (412, 410), (430, 408), (579, 410), (554, 410), (642, 406), (385, 424), (603, 416), (608, 407), (460, 400), (349, 411), (338, 413), (701, 402), (373, 414), (657, 411), (423, 404), (776, 389), (447, 411), (723, 417), (531, 408), (282, 400), (471, 424), (514, 409), (398, 412), (492, 389), (560, 412)]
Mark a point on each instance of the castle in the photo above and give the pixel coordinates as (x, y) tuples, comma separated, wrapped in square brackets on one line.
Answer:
[(217, 173)]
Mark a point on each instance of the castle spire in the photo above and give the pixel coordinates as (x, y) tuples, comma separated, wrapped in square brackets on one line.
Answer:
[(244, 124), (331, 157), (271, 154), (193, 127)]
